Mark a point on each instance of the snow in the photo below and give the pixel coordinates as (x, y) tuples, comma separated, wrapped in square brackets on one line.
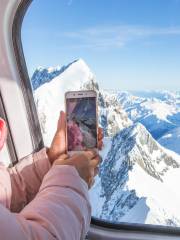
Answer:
[(39, 68), (50, 96), (171, 179), (52, 69), (95, 192), (138, 214), (171, 140), (95, 198), (152, 199), (155, 198), (151, 184), (167, 136), (106, 146), (160, 109)]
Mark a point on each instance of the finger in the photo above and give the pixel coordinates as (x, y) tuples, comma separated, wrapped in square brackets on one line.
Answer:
[(92, 172), (95, 162), (90, 154), (100, 134), (60, 136), (63, 157), (100, 138), (91, 176), (80, 158), (62, 121)]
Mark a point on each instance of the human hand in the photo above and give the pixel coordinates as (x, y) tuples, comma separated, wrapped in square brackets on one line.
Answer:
[(58, 145), (86, 163)]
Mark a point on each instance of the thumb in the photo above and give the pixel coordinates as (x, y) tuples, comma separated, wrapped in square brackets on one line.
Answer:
[(62, 122), (58, 145), (59, 140)]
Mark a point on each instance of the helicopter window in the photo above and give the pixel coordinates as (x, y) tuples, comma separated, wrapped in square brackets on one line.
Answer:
[(129, 52)]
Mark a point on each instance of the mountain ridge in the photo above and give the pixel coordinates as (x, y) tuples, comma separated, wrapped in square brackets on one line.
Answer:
[(44, 75), (138, 177)]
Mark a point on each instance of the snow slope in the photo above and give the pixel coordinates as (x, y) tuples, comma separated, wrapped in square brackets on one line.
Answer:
[(49, 99), (171, 140), (135, 182), (138, 177), (159, 112), (43, 75)]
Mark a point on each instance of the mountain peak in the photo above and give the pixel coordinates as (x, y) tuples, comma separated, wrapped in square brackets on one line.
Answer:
[(80, 64), (43, 75)]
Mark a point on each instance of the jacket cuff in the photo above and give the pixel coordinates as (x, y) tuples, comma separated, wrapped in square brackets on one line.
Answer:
[(65, 176)]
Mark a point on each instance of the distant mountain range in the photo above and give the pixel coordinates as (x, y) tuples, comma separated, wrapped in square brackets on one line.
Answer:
[(158, 111), (138, 177)]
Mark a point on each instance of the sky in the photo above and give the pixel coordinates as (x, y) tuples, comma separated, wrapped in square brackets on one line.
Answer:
[(128, 44)]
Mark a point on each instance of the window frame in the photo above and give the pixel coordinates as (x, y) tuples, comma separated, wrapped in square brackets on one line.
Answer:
[(38, 139), (10, 144), (34, 125), (147, 228)]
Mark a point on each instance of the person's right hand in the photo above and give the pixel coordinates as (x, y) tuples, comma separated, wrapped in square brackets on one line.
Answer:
[(86, 163), (58, 145)]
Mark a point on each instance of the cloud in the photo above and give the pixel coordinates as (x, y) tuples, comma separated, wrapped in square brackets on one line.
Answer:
[(104, 37)]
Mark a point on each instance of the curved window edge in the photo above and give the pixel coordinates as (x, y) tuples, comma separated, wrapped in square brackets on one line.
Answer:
[(149, 228), (33, 120), (10, 144)]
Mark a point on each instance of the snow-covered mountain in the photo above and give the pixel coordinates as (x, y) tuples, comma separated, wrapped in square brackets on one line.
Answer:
[(135, 183), (163, 95), (43, 75), (138, 177), (49, 99), (158, 111)]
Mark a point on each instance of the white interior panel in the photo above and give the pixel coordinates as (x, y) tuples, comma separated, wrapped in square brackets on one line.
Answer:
[(9, 82)]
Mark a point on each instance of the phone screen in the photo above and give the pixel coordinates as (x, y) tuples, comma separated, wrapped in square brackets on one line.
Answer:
[(81, 123)]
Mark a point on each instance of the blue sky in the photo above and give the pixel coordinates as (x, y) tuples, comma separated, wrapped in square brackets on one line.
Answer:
[(128, 44)]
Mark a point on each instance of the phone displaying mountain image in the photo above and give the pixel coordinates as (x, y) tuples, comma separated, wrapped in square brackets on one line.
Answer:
[(139, 175)]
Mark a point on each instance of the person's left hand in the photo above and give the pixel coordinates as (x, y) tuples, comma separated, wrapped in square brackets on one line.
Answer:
[(58, 145)]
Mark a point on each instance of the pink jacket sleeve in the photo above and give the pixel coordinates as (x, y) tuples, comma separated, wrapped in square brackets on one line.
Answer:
[(60, 210), (26, 178)]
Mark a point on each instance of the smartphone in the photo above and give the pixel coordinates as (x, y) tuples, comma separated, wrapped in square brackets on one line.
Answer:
[(81, 126)]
